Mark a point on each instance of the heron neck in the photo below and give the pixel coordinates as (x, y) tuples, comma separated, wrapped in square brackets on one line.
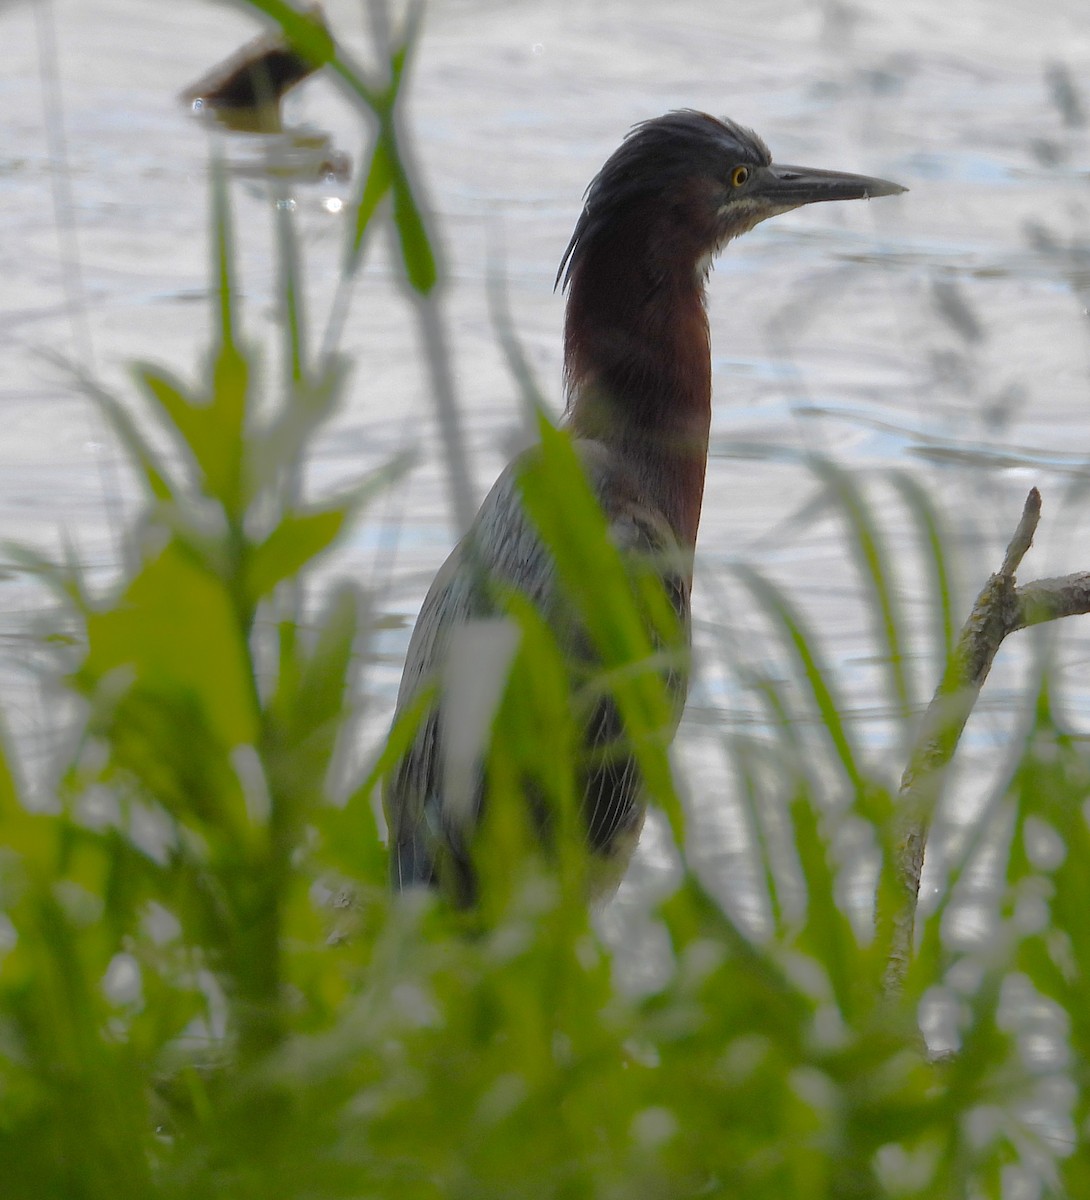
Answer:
[(637, 365)]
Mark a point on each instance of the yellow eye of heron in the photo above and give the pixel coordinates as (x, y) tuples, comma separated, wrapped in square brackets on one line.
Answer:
[(738, 176)]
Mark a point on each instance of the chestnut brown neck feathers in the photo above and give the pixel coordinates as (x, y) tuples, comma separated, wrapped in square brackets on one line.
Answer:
[(637, 359)]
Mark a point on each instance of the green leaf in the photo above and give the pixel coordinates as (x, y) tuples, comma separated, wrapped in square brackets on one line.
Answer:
[(277, 446), (296, 541), (323, 691), (304, 30), (210, 428), (309, 711), (302, 536), (175, 628), (186, 417), (416, 250), (352, 839), (156, 477), (377, 182)]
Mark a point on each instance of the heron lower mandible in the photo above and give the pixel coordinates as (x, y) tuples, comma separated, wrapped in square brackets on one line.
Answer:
[(637, 368)]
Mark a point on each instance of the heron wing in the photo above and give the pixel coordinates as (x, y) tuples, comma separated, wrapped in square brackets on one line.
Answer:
[(503, 548)]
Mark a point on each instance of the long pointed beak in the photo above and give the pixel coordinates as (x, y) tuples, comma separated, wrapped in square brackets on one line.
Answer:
[(793, 186)]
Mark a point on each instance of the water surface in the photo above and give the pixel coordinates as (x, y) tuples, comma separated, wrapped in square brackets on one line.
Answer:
[(942, 333)]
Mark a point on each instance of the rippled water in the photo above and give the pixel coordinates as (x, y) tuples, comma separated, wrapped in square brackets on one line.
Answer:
[(944, 333)]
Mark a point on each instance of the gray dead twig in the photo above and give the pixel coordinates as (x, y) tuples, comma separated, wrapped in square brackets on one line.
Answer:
[(1000, 609)]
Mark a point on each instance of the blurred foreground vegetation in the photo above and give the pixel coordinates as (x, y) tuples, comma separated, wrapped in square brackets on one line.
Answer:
[(207, 990)]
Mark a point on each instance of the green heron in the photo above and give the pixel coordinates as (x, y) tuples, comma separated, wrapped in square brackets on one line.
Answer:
[(637, 369)]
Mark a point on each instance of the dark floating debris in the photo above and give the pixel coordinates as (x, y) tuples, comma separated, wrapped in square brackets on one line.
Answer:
[(244, 91)]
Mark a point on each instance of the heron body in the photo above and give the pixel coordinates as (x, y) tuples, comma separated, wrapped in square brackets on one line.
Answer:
[(637, 368)]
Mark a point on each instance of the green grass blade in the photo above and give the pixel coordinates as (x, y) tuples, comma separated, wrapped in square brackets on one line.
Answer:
[(826, 933), (223, 268), (800, 640), (416, 249), (933, 543), (875, 568), (560, 503), (293, 315)]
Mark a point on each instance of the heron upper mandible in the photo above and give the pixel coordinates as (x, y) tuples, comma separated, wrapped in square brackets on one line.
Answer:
[(637, 369)]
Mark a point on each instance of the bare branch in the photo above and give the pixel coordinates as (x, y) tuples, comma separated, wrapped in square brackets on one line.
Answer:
[(1050, 599), (1023, 535), (1000, 609)]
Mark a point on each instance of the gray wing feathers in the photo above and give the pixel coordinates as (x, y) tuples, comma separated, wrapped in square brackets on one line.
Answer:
[(503, 548)]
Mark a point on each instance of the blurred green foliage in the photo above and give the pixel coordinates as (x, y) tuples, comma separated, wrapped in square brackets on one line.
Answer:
[(207, 990)]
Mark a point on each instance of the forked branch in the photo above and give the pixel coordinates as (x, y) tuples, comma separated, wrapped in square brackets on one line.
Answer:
[(1000, 609)]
